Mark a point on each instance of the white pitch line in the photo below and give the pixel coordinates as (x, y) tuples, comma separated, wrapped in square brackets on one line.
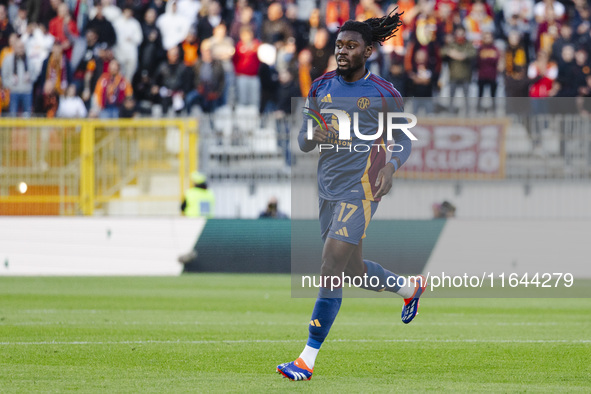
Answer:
[(259, 323), (247, 341)]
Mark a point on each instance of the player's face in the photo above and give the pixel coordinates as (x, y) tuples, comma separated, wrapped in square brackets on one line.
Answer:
[(351, 53)]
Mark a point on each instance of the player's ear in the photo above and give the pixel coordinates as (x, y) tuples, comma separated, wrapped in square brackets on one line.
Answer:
[(368, 51)]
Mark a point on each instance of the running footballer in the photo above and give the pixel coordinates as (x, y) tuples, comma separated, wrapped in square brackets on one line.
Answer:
[(352, 181)]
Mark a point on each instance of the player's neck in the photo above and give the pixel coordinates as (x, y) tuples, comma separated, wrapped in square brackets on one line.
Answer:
[(356, 76)]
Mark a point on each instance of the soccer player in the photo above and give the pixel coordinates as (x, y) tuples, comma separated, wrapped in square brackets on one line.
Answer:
[(352, 179)]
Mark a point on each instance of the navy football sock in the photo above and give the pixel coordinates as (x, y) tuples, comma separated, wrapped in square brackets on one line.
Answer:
[(387, 279), (325, 311)]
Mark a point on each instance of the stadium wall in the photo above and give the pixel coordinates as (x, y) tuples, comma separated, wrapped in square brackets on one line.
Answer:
[(95, 246), (150, 246), (513, 246)]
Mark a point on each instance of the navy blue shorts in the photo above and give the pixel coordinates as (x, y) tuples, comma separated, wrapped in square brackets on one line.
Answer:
[(345, 220)]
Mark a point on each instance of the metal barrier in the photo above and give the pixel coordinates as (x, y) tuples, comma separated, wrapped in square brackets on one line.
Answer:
[(244, 146), (71, 167), (247, 147)]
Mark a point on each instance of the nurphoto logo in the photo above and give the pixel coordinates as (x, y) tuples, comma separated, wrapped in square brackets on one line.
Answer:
[(344, 124)]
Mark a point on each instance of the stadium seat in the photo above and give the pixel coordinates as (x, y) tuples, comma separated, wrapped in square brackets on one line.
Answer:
[(517, 140)]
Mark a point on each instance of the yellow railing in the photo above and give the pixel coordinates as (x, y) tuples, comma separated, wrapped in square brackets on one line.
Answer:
[(71, 167)]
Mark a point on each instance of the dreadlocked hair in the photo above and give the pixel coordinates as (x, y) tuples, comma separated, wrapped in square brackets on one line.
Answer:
[(376, 29)]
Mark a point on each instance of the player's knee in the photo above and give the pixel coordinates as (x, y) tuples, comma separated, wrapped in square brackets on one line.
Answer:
[(356, 270), (331, 268)]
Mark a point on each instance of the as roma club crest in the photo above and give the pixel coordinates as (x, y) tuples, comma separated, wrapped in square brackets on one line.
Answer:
[(363, 103)]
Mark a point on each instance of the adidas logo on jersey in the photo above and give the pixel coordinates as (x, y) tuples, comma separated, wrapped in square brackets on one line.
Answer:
[(343, 232), (326, 99)]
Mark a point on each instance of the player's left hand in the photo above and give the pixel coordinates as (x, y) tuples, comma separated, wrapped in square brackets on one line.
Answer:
[(384, 180)]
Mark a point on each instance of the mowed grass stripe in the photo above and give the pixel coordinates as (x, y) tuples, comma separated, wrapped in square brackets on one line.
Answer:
[(219, 333)]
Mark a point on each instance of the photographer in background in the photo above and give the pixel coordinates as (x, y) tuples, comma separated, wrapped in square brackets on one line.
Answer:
[(273, 211)]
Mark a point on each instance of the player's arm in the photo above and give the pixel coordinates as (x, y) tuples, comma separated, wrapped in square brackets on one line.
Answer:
[(319, 134), (403, 148)]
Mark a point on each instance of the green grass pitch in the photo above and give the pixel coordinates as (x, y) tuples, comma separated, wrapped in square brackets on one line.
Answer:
[(204, 332)]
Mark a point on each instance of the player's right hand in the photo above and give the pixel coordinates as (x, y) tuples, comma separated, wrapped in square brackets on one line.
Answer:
[(321, 134)]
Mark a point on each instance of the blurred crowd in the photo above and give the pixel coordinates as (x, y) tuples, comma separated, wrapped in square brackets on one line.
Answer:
[(127, 58)]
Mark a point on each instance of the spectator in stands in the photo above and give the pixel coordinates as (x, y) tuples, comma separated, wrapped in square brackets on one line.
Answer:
[(208, 22), (565, 38), (314, 24), (515, 67), (129, 37), (584, 102), (111, 90), (56, 70), (64, 29), (222, 49), (159, 6), (244, 18), (566, 82), (304, 72), (476, 22), (191, 8), (246, 68), (71, 105), (488, 65), (433, 56), (397, 75), (172, 81), (583, 70), (20, 23), (421, 80), (321, 51), (38, 43), (109, 9), (288, 89), (5, 27), (275, 27), (542, 9), (337, 12), (367, 9), (139, 7), (151, 53), (190, 49), (103, 27), (16, 74), (209, 81), (522, 10), (548, 32), (542, 74), (41, 11), (460, 54), (7, 50), (395, 44), (286, 53), (4, 97), (581, 23), (299, 27), (524, 27), (272, 211), (89, 67), (145, 94), (128, 109), (269, 78), (425, 29), (173, 26), (49, 105)]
